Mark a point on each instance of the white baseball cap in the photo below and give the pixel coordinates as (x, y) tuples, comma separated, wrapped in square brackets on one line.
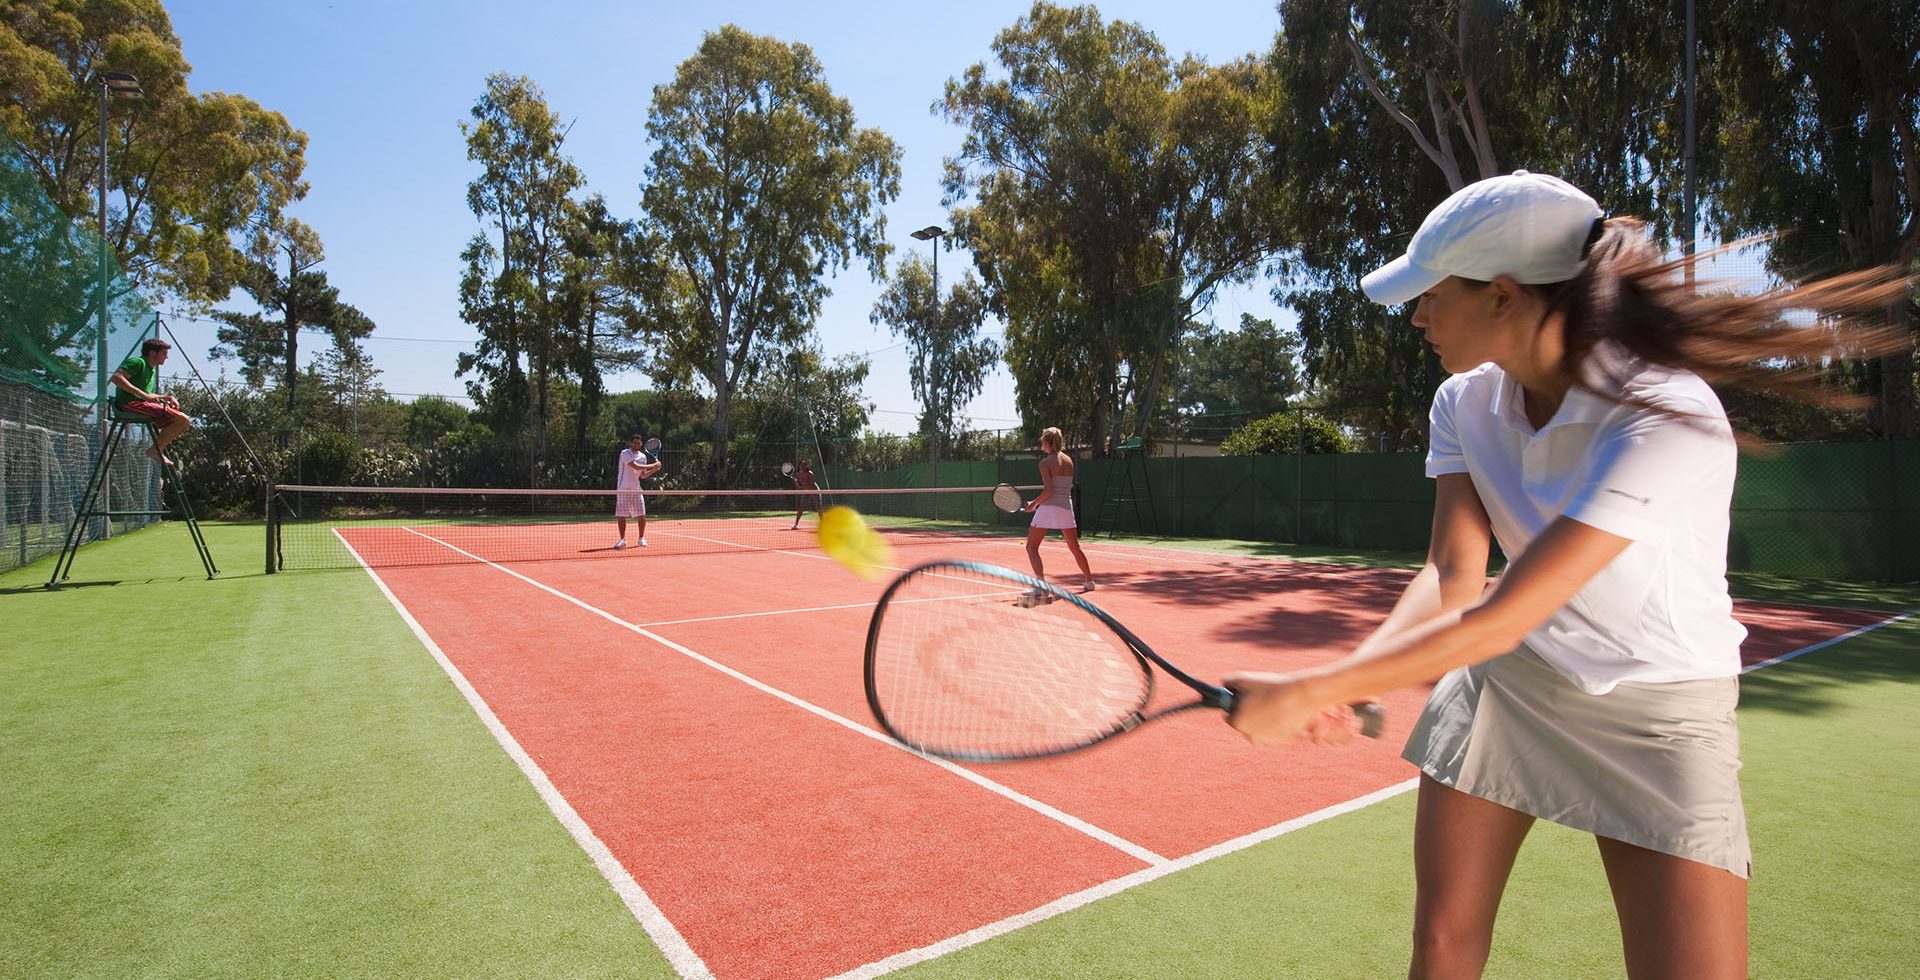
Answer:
[(1529, 226)]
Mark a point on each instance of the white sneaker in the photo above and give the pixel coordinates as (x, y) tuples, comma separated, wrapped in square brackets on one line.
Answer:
[(644, 544), (1087, 587), (622, 543)]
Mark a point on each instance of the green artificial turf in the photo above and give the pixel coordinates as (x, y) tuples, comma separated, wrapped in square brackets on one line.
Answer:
[(265, 775), (1829, 740)]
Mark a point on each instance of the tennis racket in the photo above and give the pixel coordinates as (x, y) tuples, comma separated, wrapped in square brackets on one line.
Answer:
[(786, 470), (961, 665), (1008, 499)]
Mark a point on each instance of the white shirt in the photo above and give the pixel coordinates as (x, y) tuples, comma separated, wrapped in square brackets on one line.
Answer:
[(629, 479), (1660, 611)]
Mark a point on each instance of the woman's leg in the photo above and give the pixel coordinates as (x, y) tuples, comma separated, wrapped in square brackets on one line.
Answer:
[(1678, 918), (1034, 536), (1463, 851), (1072, 534)]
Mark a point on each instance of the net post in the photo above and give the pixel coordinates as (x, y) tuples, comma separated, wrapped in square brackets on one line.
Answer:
[(273, 530)]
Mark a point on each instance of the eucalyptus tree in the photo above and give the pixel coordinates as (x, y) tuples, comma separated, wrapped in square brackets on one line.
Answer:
[(298, 299), (597, 303), (1821, 141), (1115, 191), (511, 289), (190, 175), (1253, 369), (809, 400), (760, 183), (949, 359), (1392, 106)]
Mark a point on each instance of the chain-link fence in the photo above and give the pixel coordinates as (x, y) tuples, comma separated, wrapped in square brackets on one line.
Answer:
[(68, 316)]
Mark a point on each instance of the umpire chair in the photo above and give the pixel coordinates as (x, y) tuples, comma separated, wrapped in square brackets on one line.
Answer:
[(94, 501)]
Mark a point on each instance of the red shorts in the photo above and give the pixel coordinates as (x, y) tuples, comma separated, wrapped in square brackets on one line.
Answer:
[(158, 411)]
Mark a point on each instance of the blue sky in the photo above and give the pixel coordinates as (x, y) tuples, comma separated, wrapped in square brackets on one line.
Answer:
[(381, 86)]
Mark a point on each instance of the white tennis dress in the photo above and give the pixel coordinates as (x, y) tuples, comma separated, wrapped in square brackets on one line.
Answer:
[(1052, 515)]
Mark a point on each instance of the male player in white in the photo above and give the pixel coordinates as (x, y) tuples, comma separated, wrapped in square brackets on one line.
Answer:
[(635, 465)]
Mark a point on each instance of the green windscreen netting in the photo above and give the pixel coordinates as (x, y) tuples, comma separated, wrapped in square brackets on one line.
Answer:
[(54, 361)]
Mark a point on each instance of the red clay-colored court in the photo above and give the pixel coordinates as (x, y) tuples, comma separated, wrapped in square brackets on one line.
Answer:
[(701, 722)]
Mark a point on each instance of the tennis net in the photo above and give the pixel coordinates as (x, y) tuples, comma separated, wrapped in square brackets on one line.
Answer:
[(344, 527)]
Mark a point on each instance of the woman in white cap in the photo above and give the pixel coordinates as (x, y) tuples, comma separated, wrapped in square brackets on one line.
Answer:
[(1594, 685)]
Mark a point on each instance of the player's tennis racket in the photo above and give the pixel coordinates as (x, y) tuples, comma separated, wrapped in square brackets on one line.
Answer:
[(961, 665), (1008, 499), (786, 470), (652, 448)]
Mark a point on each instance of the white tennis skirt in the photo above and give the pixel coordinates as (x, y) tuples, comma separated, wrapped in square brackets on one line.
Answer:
[(1654, 765), (630, 503), (1051, 516)]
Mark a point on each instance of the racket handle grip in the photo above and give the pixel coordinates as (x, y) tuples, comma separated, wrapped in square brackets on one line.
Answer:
[(1373, 718)]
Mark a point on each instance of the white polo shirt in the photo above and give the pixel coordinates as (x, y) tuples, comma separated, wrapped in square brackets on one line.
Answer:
[(627, 478), (1660, 611)]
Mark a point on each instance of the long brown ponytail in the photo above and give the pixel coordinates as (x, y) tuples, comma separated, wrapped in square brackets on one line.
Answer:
[(1631, 295)]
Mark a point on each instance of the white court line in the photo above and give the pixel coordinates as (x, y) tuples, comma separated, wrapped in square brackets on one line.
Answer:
[(1158, 867), (1108, 889), (672, 945), (848, 605), (1112, 840), (1783, 658)]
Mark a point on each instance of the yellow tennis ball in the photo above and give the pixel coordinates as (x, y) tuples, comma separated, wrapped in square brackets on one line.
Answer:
[(847, 539)]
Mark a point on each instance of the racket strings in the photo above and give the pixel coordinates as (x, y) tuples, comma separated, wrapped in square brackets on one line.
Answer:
[(962, 669)]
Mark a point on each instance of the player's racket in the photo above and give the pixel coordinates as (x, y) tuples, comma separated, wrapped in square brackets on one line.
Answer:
[(1008, 499), (786, 470), (962, 664), (652, 449)]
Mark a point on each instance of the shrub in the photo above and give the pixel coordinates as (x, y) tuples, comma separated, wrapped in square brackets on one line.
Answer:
[(1279, 434)]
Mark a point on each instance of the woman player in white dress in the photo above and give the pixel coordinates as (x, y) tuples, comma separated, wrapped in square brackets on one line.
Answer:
[(1053, 508), (1594, 685)]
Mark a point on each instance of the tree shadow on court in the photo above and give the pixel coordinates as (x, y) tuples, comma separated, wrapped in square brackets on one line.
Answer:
[(1301, 604), (43, 588), (1817, 682), (1862, 595)]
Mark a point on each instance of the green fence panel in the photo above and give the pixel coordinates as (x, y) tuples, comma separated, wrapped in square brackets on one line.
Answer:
[(1830, 510), (1905, 539), (1216, 498)]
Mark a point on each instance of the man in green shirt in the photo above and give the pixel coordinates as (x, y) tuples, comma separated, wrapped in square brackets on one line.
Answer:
[(134, 396)]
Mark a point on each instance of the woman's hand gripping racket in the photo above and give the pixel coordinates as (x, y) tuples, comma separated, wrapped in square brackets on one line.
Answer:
[(957, 667), (1008, 499)]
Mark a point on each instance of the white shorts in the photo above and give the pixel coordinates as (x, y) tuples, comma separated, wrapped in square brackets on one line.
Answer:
[(630, 503), (1654, 765), (1051, 516)]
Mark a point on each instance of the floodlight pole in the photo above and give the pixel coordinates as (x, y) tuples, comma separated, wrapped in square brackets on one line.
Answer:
[(1691, 138), (933, 233), (118, 85), (100, 335)]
